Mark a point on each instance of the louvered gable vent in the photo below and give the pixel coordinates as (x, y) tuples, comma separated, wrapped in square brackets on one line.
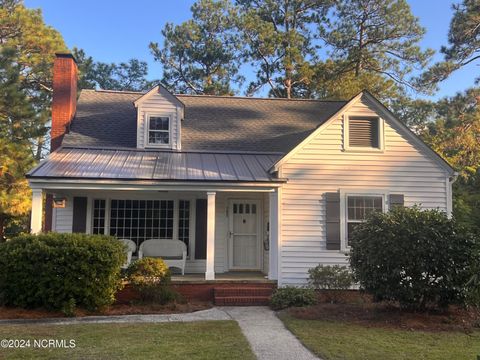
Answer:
[(363, 132)]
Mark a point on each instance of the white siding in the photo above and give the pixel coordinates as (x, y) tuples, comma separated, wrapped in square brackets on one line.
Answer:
[(159, 105), (62, 219), (322, 166)]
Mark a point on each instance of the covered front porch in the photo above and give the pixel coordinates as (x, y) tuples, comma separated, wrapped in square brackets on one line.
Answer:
[(230, 230), (222, 206)]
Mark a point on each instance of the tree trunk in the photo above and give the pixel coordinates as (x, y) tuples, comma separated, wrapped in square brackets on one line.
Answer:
[(358, 66), (38, 153), (288, 88)]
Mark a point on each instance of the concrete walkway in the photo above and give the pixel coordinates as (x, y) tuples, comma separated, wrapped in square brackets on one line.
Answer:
[(267, 335), (210, 314)]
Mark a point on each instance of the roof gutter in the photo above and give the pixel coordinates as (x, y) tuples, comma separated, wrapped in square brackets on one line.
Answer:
[(149, 185)]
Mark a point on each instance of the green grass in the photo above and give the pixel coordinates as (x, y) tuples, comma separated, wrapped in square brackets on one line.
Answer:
[(196, 340), (337, 340)]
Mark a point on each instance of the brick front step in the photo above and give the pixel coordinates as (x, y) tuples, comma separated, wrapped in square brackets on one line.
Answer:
[(242, 295), (241, 300), (242, 291)]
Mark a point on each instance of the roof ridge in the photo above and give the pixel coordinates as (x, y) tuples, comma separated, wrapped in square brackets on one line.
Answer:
[(257, 98), (116, 148), (113, 91), (214, 96)]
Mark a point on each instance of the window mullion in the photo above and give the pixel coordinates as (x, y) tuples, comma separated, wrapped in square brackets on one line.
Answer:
[(107, 216)]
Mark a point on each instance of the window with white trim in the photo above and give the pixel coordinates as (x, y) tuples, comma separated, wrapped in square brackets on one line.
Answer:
[(158, 130), (140, 220), (358, 208)]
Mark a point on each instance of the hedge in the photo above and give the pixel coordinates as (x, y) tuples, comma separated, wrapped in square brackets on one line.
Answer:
[(60, 271)]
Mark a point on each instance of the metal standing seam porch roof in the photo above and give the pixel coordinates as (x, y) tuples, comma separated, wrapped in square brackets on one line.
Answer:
[(126, 164)]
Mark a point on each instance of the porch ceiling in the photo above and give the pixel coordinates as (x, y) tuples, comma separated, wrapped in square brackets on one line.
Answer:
[(88, 163)]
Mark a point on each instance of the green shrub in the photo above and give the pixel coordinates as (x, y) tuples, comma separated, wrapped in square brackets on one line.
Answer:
[(151, 278), (418, 258), (289, 296), (333, 280), (330, 277), (60, 271)]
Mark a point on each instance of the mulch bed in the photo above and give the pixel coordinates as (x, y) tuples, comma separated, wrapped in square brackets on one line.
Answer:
[(116, 309), (358, 308), (127, 303)]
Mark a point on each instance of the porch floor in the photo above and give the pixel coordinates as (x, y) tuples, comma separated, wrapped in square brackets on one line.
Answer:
[(228, 277)]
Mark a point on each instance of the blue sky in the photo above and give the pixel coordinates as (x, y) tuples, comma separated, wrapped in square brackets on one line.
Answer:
[(117, 30)]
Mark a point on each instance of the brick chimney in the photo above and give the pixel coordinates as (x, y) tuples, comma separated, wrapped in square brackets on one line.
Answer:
[(64, 102)]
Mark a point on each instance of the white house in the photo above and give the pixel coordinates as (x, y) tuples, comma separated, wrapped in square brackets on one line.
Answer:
[(273, 186)]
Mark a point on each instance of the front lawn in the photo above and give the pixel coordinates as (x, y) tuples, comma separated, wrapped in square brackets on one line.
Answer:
[(335, 340), (196, 340)]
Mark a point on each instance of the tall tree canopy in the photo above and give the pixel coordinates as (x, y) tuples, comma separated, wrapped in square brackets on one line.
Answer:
[(17, 127), (129, 76), (36, 44), (378, 37), (27, 52), (456, 136), (328, 83), (200, 56), (456, 132), (463, 43), (279, 43)]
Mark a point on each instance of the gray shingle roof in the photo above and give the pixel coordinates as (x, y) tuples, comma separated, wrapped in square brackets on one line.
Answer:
[(155, 165), (213, 123)]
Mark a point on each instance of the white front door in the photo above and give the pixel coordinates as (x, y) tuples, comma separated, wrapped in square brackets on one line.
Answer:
[(244, 239)]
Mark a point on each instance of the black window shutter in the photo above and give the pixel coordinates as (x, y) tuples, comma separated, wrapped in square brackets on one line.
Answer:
[(333, 220), (396, 200), (79, 224), (201, 229)]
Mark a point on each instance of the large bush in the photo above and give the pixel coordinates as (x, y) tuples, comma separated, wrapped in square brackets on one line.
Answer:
[(60, 271), (289, 296), (151, 278), (418, 258)]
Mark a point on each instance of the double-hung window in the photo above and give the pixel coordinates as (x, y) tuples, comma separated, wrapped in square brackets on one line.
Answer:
[(158, 130), (358, 208)]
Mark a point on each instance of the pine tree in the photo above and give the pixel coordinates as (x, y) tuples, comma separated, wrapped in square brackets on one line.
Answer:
[(126, 76), (378, 37), (36, 44), (17, 127), (279, 43), (463, 44), (200, 56)]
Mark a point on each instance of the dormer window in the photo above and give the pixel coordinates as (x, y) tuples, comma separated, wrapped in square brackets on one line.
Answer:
[(363, 133), (158, 130)]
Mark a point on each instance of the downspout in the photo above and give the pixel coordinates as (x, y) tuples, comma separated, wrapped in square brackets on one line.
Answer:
[(450, 181)]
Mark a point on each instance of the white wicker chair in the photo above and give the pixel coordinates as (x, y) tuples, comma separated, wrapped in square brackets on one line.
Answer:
[(173, 252), (131, 247)]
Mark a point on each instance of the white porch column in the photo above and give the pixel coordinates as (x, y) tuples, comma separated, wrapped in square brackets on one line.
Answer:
[(210, 270), (274, 231), (37, 211)]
